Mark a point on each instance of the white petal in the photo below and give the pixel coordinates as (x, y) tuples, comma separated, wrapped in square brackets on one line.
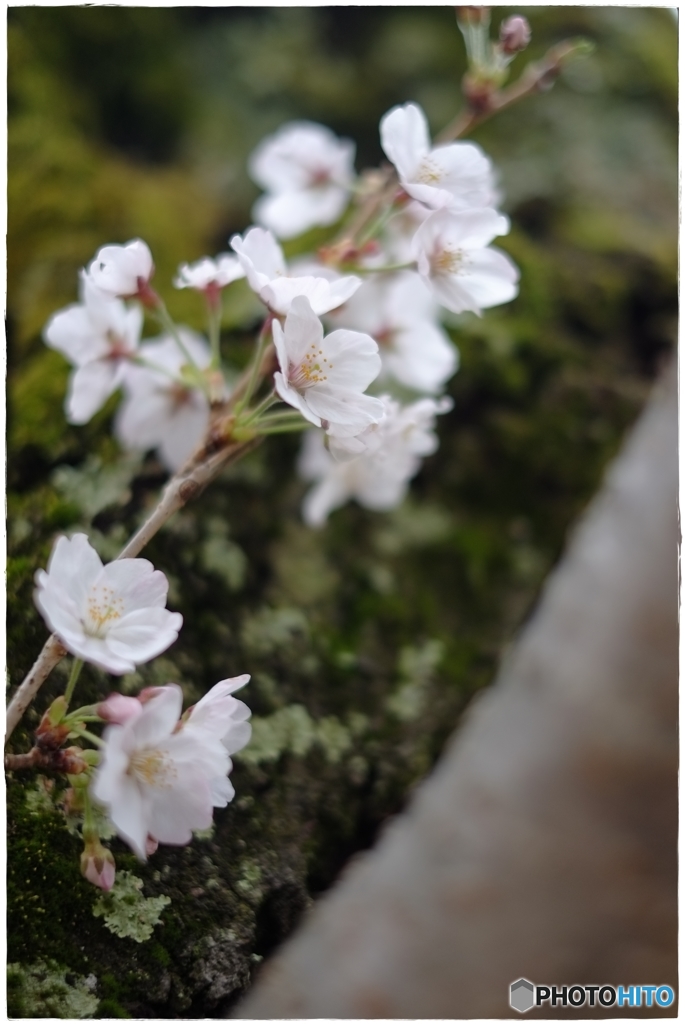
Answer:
[(136, 582), (261, 256), (174, 814), (321, 500), (289, 214), (347, 412), (127, 814), (303, 330), (143, 634), (353, 359), (71, 332), (405, 138), (294, 398), (75, 565), (158, 718), (89, 388), (490, 277)]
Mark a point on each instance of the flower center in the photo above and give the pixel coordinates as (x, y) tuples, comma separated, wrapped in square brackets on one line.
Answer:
[(385, 337), (118, 347), (318, 177), (153, 767), (429, 172), (312, 370), (102, 609), (447, 261)]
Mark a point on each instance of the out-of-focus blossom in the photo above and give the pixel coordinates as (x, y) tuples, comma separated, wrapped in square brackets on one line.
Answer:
[(324, 378), (379, 477), (99, 336), (307, 173), (113, 616), (122, 271), (264, 264), (159, 778), (457, 175), (453, 258), (400, 314), (209, 274), (162, 410)]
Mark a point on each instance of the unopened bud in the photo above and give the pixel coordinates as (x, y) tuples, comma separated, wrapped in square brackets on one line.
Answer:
[(514, 34), (151, 845), (70, 761), (117, 708), (51, 734), (97, 864)]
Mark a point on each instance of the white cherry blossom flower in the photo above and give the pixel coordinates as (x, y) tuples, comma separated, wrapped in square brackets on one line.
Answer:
[(112, 616), (157, 779), (400, 315), (324, 378), (99, 336), (377, 478), (267, 275), (122, 271), (207, 274), (159, 411), (221, 715), (307, 172), (457, 175), (454, 260)]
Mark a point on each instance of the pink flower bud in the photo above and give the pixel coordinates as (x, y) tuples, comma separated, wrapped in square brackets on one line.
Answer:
[(514, 34), (149, 693), (151, 846), (97, 865), (118, 709)]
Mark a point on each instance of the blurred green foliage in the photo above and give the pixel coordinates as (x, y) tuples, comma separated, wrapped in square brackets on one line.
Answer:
[(366, 640)]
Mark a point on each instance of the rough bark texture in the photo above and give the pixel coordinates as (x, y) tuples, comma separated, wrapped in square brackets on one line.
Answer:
[(544, 845)]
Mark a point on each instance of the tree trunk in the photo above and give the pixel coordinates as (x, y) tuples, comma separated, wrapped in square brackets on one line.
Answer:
[(544, 845)]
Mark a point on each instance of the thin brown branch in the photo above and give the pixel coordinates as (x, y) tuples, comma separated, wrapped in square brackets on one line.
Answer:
[(187, 484)]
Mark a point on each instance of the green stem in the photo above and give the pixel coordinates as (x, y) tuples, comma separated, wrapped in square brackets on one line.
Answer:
[(85, 734), (285, 428), (255, 413), (73, 678), (261, 344), (214, 320)]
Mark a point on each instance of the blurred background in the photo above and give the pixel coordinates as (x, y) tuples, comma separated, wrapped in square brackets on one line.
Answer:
[(365, 640)]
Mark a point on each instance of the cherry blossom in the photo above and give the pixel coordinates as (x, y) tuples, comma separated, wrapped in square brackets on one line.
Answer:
[(455, 262), (307, 172), (159, 778), (99, 336), (112, 616), (160, 409), (265, 267), (378, 478), (225, 717), (400, 315), (122, 271), (324, 378), (457, 175), (209, 274)]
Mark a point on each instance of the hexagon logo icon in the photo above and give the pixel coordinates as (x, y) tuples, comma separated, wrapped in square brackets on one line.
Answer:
[(522, 995)]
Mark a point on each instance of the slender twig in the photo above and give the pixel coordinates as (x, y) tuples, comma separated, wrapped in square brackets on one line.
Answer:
[(187, 484)]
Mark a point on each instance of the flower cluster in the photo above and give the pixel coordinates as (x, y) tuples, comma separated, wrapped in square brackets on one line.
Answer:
[(158, 773), (431, 248), (351, 343)]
